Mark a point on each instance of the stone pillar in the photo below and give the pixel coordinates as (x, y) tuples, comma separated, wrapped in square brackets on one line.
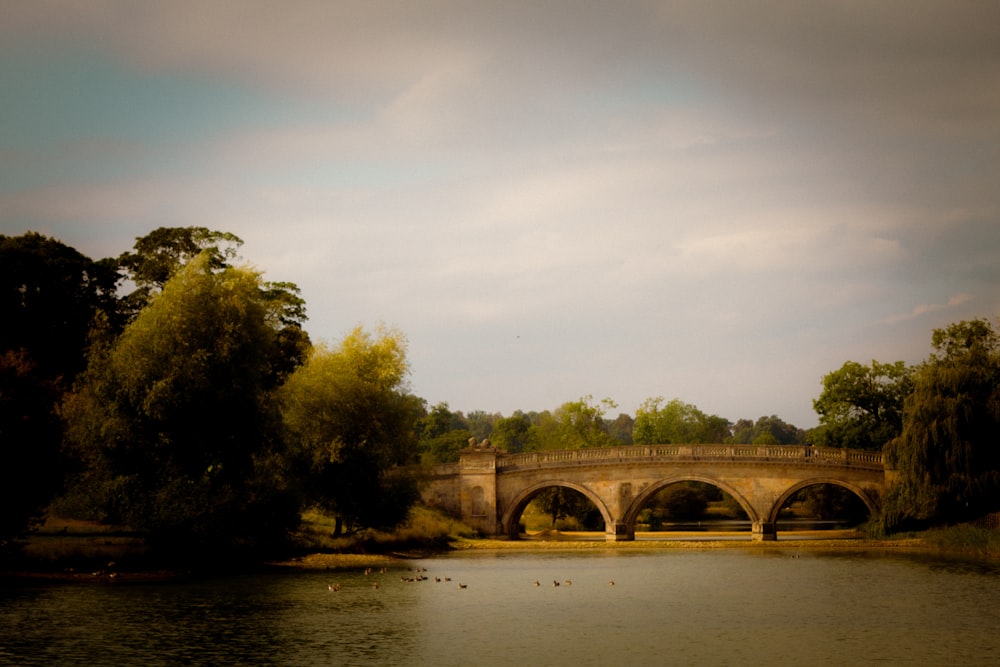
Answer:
[(618, 532), (764, 531), (620, 499), (478, 488)]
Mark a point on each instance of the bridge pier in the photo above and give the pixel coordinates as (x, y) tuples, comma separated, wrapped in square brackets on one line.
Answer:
[(764, 531), (618, 532)]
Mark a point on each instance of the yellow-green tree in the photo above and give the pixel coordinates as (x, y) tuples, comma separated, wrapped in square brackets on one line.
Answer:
[(347, 413)]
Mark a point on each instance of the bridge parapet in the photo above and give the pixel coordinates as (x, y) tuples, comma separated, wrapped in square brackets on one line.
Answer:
[(805, 454)]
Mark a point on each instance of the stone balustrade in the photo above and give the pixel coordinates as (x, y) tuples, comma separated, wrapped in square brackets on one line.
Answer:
[(721, 453)]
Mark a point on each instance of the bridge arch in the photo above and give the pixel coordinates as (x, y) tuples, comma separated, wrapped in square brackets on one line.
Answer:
[(632, 513), (795, 488), (510, 519)]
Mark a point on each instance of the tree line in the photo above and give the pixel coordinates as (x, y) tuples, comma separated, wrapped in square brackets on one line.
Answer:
[(175, 391)]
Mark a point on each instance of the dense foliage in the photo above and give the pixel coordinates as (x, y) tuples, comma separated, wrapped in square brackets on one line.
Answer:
[(766, 431), (349, 422), (861, 407), (947, 456), (678, 423), (157, 256), (175, 422), (31, 465), (51, 296)]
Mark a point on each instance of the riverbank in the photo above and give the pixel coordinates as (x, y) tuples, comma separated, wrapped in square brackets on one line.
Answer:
[(826, 539), (84, 552), (812, 541)]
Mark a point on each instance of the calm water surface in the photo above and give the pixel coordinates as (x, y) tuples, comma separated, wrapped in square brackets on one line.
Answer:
[(705, 607)]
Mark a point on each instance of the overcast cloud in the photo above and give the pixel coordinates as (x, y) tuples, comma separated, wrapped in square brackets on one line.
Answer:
[(713, 201)]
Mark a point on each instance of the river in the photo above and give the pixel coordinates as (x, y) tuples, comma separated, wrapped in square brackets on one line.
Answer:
[(722, 606)]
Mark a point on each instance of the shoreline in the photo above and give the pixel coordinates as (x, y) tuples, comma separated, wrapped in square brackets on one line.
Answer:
[(816, 541), (569, 542)]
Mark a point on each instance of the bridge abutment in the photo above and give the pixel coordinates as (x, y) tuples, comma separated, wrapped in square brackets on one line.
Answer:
[(478, 489)]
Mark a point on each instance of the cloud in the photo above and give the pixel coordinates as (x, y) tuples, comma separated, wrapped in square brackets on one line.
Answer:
[(926, 308), (715, 201)]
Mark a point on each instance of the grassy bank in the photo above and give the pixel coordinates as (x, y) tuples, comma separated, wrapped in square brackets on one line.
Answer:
[(964, 539)]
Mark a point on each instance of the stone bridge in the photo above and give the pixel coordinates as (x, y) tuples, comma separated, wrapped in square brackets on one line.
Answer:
[(489, 489)]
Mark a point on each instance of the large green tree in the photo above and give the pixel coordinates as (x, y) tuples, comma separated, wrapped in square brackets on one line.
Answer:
[(159, 255), (347, 412), (174, 421), (676, 422), (947, 457), (861, 407)]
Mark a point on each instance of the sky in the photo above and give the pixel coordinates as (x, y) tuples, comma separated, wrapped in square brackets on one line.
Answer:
[(718, 202)]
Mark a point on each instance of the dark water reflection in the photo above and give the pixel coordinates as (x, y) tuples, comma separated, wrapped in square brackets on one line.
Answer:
[(722, 606)]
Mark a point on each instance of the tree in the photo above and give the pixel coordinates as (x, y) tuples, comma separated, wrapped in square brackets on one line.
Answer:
[(830, 501), (480, 423), (581, 424), (560, 502), (947, 456), (50, 295), (686, 501), (175, 420), (31, 465), (676, 422), (766, 431), (347, 413), (511, 433), (621, 429), (157, 256), (443, 434), (544, 432), (683, 501), (861, 407)]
